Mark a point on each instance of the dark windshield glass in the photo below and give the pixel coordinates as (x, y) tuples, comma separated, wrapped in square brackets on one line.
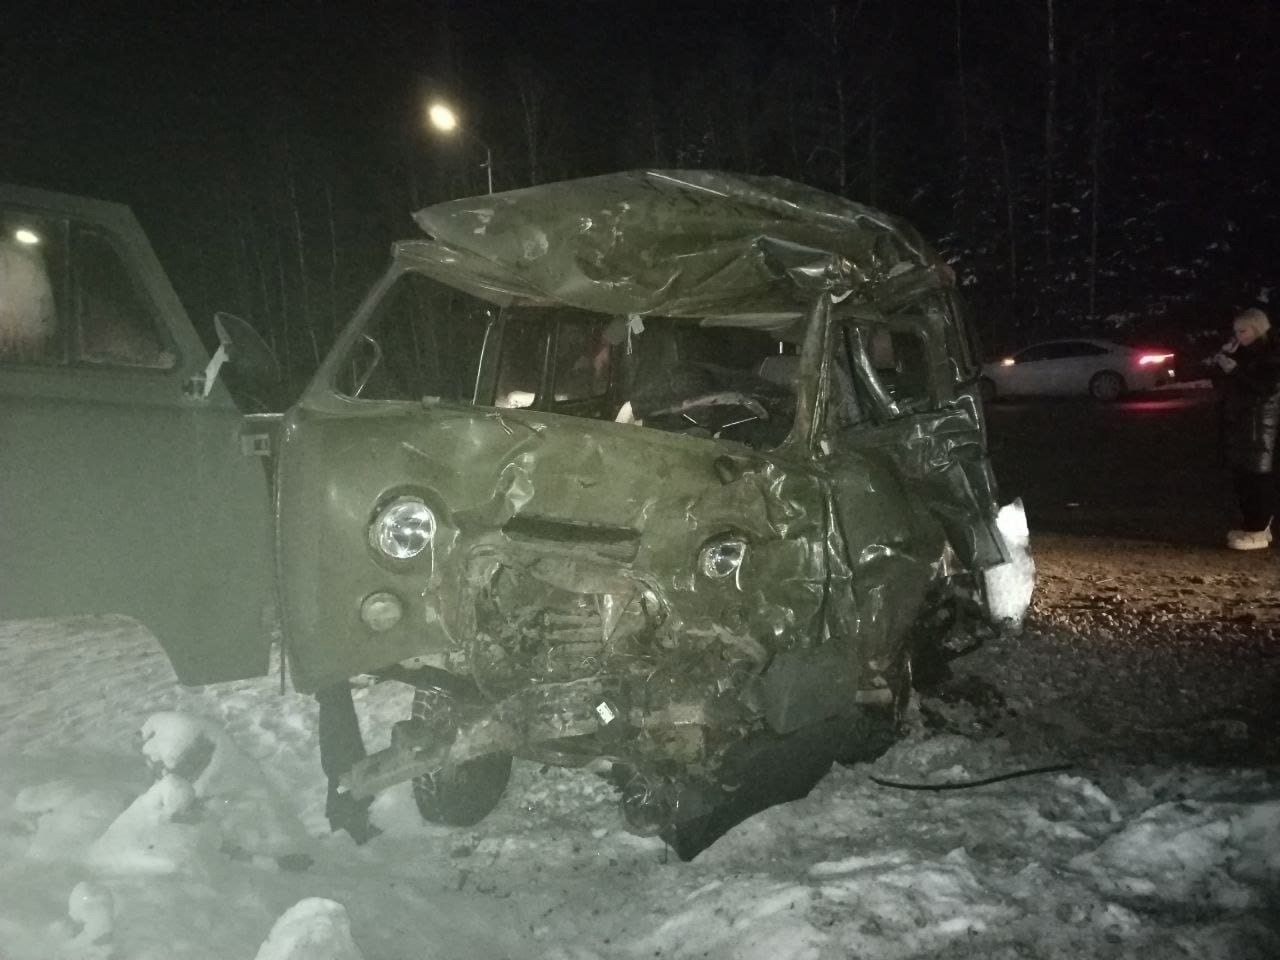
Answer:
[(429, 340), (425, 340)]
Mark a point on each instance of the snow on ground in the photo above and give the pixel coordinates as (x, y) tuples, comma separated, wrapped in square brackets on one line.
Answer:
[(140, 820)]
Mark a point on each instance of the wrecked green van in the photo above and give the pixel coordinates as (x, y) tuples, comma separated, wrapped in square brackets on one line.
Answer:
[(672, 475)]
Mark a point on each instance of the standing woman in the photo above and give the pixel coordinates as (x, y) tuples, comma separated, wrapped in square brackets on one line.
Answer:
[(1248, 380)]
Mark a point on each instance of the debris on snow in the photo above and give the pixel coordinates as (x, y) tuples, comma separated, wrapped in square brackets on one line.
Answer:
[(160, 832), (230, 785)]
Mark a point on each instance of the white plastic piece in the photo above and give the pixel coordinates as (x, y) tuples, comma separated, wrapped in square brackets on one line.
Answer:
[(219, 357), (635, 326), (1010, 585)]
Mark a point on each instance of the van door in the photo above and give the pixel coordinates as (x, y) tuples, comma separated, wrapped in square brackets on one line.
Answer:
[(894, 400), (123, 489)]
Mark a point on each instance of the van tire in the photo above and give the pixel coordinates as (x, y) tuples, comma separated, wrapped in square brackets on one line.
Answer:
[(461, 795)]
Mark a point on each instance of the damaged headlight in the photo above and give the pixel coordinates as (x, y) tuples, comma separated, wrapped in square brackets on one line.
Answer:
[(403, 528), (722, 557)]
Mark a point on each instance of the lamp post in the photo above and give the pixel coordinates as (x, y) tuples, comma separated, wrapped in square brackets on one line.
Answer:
[(443, 118)]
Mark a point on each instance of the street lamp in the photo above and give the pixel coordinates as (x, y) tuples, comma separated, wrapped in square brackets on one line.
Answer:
[(444, 119)]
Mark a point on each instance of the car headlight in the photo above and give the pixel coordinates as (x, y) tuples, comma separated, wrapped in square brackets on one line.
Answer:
[(723, 558), (403, 528)]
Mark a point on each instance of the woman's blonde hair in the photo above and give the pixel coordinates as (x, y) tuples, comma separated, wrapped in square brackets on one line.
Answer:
[(1255, 320)]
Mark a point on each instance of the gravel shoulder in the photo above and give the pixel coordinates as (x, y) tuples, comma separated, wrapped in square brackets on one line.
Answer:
[(1133, 651)]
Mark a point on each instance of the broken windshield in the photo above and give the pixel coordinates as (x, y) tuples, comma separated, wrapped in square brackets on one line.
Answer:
[(426, 339)]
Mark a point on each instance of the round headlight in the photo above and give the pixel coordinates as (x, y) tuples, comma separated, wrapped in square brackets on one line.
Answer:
[(723, 558), (403, 528)]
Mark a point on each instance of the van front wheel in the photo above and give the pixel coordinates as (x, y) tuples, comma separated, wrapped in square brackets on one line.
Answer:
[(459, 795)]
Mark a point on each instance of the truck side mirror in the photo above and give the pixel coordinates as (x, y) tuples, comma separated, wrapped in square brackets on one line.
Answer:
[(253, 375)]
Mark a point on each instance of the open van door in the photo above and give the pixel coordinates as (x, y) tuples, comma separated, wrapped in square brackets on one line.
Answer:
[(124, 484)]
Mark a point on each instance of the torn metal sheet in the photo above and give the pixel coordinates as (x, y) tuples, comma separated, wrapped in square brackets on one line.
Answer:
[(699, 244)]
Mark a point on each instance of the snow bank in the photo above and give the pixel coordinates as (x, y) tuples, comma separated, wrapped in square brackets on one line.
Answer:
[(1255, 832), (91, 908), (1110, 860), (312, 929), (69, 815), (751, 918), (915, 905), (160, 832), (1192, 852), (209, 797)]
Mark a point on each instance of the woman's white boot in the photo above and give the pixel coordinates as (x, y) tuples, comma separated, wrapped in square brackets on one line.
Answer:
[(1249, 539)]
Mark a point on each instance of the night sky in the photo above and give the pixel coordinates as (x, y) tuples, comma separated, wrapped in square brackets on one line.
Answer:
[(113, 102), (232, 131)]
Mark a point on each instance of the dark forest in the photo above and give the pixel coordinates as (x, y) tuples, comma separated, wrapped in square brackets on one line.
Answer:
[(1085, 166)]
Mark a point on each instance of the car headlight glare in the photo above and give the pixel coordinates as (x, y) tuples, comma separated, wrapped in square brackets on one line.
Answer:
[(403, 528), (723, 558)]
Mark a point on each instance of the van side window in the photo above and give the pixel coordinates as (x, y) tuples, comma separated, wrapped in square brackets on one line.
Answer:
[(901, 361), (582, 361), (424, 340), (33, 317), (116, 323)]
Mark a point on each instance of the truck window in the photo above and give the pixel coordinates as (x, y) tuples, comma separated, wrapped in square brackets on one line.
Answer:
[(32, 311), (116, 323)]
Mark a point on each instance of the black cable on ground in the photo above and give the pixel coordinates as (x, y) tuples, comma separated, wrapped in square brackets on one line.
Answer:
[(985, 781)]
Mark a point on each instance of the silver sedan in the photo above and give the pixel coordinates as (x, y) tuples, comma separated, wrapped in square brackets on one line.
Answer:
[(1102, 369)]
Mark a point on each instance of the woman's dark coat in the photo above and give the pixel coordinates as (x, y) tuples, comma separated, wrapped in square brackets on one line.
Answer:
[(1250, 397)]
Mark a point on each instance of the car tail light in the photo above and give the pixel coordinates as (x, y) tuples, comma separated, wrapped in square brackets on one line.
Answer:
[(1149, 359)]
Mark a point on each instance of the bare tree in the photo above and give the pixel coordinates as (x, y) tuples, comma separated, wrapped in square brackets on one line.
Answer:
[(1050, 124), (1011, 219), (541, 114), (300, 251), (838, 68), (1101, 94), (334, 322), (960, 80)]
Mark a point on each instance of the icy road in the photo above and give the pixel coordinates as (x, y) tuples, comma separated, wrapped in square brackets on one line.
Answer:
[(1153, 671)]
